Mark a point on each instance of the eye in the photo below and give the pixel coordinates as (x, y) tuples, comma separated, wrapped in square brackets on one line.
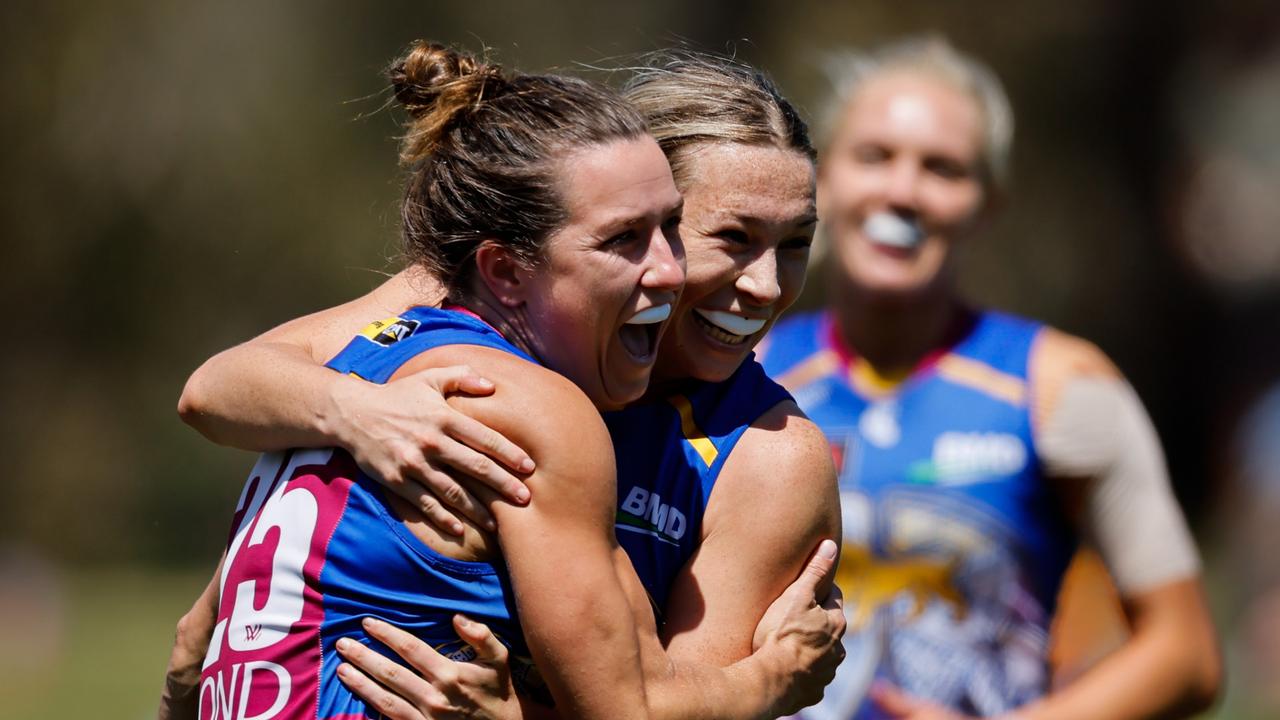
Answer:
[(947, 168), (801, 243), (621, 238), (870, 154), (737, 237)]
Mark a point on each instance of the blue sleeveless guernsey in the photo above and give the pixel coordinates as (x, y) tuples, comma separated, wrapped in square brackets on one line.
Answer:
[(954, 544), (669, 454), (315, 547)]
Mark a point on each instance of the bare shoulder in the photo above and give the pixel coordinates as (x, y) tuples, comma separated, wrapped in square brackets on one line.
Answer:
[(786, 458), (1056, 359)]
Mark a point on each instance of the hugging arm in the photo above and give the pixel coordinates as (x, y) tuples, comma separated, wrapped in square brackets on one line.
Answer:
[(272, 393), (798, 640), (774, 500), (178, 700)]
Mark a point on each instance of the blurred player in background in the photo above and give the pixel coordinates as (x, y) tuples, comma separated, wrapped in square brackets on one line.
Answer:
[(975, 449)]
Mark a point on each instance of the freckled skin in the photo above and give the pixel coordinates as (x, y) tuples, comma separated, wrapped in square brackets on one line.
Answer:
[(749, 218)]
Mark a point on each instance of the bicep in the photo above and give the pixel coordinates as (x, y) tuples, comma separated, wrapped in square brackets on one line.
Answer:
[(774, 501)]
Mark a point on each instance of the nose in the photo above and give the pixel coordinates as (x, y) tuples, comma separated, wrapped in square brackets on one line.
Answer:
[(759, 279), (903, 184), (664, 264)]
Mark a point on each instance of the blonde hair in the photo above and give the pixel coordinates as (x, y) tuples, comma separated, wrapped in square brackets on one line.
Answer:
[(688, 98), (933, 56)]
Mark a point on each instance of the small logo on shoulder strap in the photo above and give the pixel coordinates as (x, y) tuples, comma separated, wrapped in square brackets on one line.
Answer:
[(389, 331)]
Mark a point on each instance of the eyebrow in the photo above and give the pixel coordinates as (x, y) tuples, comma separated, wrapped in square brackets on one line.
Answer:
[(628, 219), (810, 219)]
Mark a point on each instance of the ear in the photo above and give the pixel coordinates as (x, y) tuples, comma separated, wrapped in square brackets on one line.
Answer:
[(503, 273)]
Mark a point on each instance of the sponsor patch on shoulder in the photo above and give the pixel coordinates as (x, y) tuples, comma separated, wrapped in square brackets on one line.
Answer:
[(389, 331)]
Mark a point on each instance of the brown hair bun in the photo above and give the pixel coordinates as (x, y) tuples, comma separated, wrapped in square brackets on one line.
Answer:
[(436, 85)]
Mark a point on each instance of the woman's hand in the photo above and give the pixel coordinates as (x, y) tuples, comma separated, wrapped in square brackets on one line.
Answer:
[(405, 434), (807, 632), (480, 688)]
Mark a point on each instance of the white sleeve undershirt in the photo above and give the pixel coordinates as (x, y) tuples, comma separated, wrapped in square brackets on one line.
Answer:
[(1100, 431)]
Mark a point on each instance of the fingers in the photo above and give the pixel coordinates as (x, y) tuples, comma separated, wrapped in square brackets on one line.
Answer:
[(820, 569), (488, 647), (474, 454), (440, 496), (470, 432), (458, 379), (419, 654), (424, 494), (379, 698)]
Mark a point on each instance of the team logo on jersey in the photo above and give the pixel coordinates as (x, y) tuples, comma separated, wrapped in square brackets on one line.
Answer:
[(870, 583), (644, 512), (965, 458), (389, 331)]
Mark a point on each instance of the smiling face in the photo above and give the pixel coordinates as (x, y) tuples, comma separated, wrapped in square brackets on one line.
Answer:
[(597, 301), (901, 183), (748, 223)]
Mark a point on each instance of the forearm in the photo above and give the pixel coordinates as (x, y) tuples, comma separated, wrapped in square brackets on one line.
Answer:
[(1168, 668), (178, 699), (264, 396), (697, 691)]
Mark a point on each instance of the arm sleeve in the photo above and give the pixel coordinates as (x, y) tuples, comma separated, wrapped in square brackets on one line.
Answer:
[(1100, 432)]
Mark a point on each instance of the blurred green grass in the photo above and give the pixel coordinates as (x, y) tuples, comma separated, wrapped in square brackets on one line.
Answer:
[(116, 630)]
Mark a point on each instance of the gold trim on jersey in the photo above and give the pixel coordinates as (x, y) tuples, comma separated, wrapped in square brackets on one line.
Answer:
[(692, 433), (823, 362), (981, 376)]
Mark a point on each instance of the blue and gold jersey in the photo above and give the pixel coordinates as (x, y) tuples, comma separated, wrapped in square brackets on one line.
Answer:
[(669, 454), (954, 543), (315, 547)]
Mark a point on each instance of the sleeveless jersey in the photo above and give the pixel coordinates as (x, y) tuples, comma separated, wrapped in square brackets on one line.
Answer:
[(669, 454), (315, 547), (954, 544)]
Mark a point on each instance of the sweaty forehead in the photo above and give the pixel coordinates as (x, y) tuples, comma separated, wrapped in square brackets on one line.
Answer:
[(756, 181)]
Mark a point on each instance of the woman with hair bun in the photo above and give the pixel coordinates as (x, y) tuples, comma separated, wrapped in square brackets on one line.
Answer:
[(548, 217)]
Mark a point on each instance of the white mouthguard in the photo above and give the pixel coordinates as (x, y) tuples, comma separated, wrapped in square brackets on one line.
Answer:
[(655, 314), (890, 229), (731, 323)]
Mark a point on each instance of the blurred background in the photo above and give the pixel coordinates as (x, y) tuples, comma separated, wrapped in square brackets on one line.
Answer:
[(179, 176)]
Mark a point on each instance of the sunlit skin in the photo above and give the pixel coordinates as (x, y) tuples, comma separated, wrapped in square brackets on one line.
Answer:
[(618, 254), (749, 219), (909, 144)]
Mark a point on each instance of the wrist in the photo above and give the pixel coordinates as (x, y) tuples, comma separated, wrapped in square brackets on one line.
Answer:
[(766, 681), (337, 415)]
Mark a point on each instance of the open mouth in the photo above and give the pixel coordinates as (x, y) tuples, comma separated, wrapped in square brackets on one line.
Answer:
[(639, 335), (726, 327), (885, 228)]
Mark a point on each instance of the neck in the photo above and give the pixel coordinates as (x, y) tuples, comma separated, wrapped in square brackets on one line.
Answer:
[(509, 322), (896, 334)]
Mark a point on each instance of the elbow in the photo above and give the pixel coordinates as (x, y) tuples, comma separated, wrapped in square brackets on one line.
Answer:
[(190, 643), (194, 403), (1204, 680)]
